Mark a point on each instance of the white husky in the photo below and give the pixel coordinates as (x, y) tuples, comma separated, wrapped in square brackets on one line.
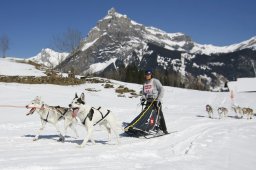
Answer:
[(52, 114), (90, 116)]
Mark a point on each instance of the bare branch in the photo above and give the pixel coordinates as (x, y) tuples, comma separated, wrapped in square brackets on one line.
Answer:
[(67, 41)]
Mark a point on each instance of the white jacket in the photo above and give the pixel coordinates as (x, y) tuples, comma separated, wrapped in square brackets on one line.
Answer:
[(153, 89)]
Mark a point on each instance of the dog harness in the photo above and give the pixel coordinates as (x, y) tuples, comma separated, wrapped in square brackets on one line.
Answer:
[(56, 107), (61, 114), (46, 119), (90, 115)]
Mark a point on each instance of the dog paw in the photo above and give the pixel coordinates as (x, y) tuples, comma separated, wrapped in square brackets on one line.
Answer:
[(61, 139), (80, 146)]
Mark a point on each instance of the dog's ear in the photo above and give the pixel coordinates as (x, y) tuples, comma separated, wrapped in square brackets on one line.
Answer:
[(38, 98), (82, 97), (76, 96)]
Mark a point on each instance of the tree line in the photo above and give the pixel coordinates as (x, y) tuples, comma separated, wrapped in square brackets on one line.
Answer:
[(133, 74)]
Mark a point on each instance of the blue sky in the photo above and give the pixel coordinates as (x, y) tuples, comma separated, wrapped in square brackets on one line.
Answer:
[(31, 24)]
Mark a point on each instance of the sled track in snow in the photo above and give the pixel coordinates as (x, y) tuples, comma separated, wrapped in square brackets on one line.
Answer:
[(186, 140)]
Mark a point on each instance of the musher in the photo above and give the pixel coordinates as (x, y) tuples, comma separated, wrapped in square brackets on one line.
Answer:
[(154, 91)]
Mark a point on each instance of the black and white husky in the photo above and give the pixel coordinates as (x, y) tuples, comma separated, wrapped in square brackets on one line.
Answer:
[(52, 115), (90, 116)]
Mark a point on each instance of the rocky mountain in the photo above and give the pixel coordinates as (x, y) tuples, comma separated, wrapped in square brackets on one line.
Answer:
[(49, 58), (117, 41)]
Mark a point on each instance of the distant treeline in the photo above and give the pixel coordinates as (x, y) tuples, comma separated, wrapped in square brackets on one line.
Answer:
[(133, 74)]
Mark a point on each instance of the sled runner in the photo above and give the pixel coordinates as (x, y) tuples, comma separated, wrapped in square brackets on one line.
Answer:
[(145, 135), (158, 134), (146, 123)]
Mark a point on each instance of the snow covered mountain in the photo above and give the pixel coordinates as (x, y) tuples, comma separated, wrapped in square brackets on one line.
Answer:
[(211, 49), (117, 41), (49, 57)]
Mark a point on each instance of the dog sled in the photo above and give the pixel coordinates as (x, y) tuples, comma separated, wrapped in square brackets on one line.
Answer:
[(146, 124)]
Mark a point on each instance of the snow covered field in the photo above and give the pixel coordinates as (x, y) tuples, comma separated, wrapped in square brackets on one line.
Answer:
[(9, 67), (198, 143)]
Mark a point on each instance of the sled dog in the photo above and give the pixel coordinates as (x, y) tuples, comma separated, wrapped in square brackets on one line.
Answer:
[(209, 110), (52, 115), (238, 111), (90, 116), (248, 111), (222, 112)]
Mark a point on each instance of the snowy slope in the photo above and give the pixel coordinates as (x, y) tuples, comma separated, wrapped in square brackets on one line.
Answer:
[(199, 143), (211, 49), (10, 67), (169, 40)]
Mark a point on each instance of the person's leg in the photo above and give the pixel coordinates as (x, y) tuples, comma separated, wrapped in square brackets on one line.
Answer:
[(162, 122)]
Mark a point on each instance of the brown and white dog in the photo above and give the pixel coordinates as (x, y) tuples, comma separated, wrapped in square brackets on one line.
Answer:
[(90, 116), (248, 111), (209, 110), (222, 112), (52, 115)]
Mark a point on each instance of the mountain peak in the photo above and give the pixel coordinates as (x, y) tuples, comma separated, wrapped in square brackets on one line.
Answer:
[(112, 11)]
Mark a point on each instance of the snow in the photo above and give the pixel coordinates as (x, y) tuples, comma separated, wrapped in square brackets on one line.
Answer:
[(89, 44), (107, 17), (211, 49), (197, 142), (135, 23), (244, 85), (216, 64), (155, 31), (49, 57), (195, 65), (162, 62), (97, 67), (169, 43), (11, 68)]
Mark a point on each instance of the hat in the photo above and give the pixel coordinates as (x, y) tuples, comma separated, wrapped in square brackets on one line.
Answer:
[(148, 72)]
